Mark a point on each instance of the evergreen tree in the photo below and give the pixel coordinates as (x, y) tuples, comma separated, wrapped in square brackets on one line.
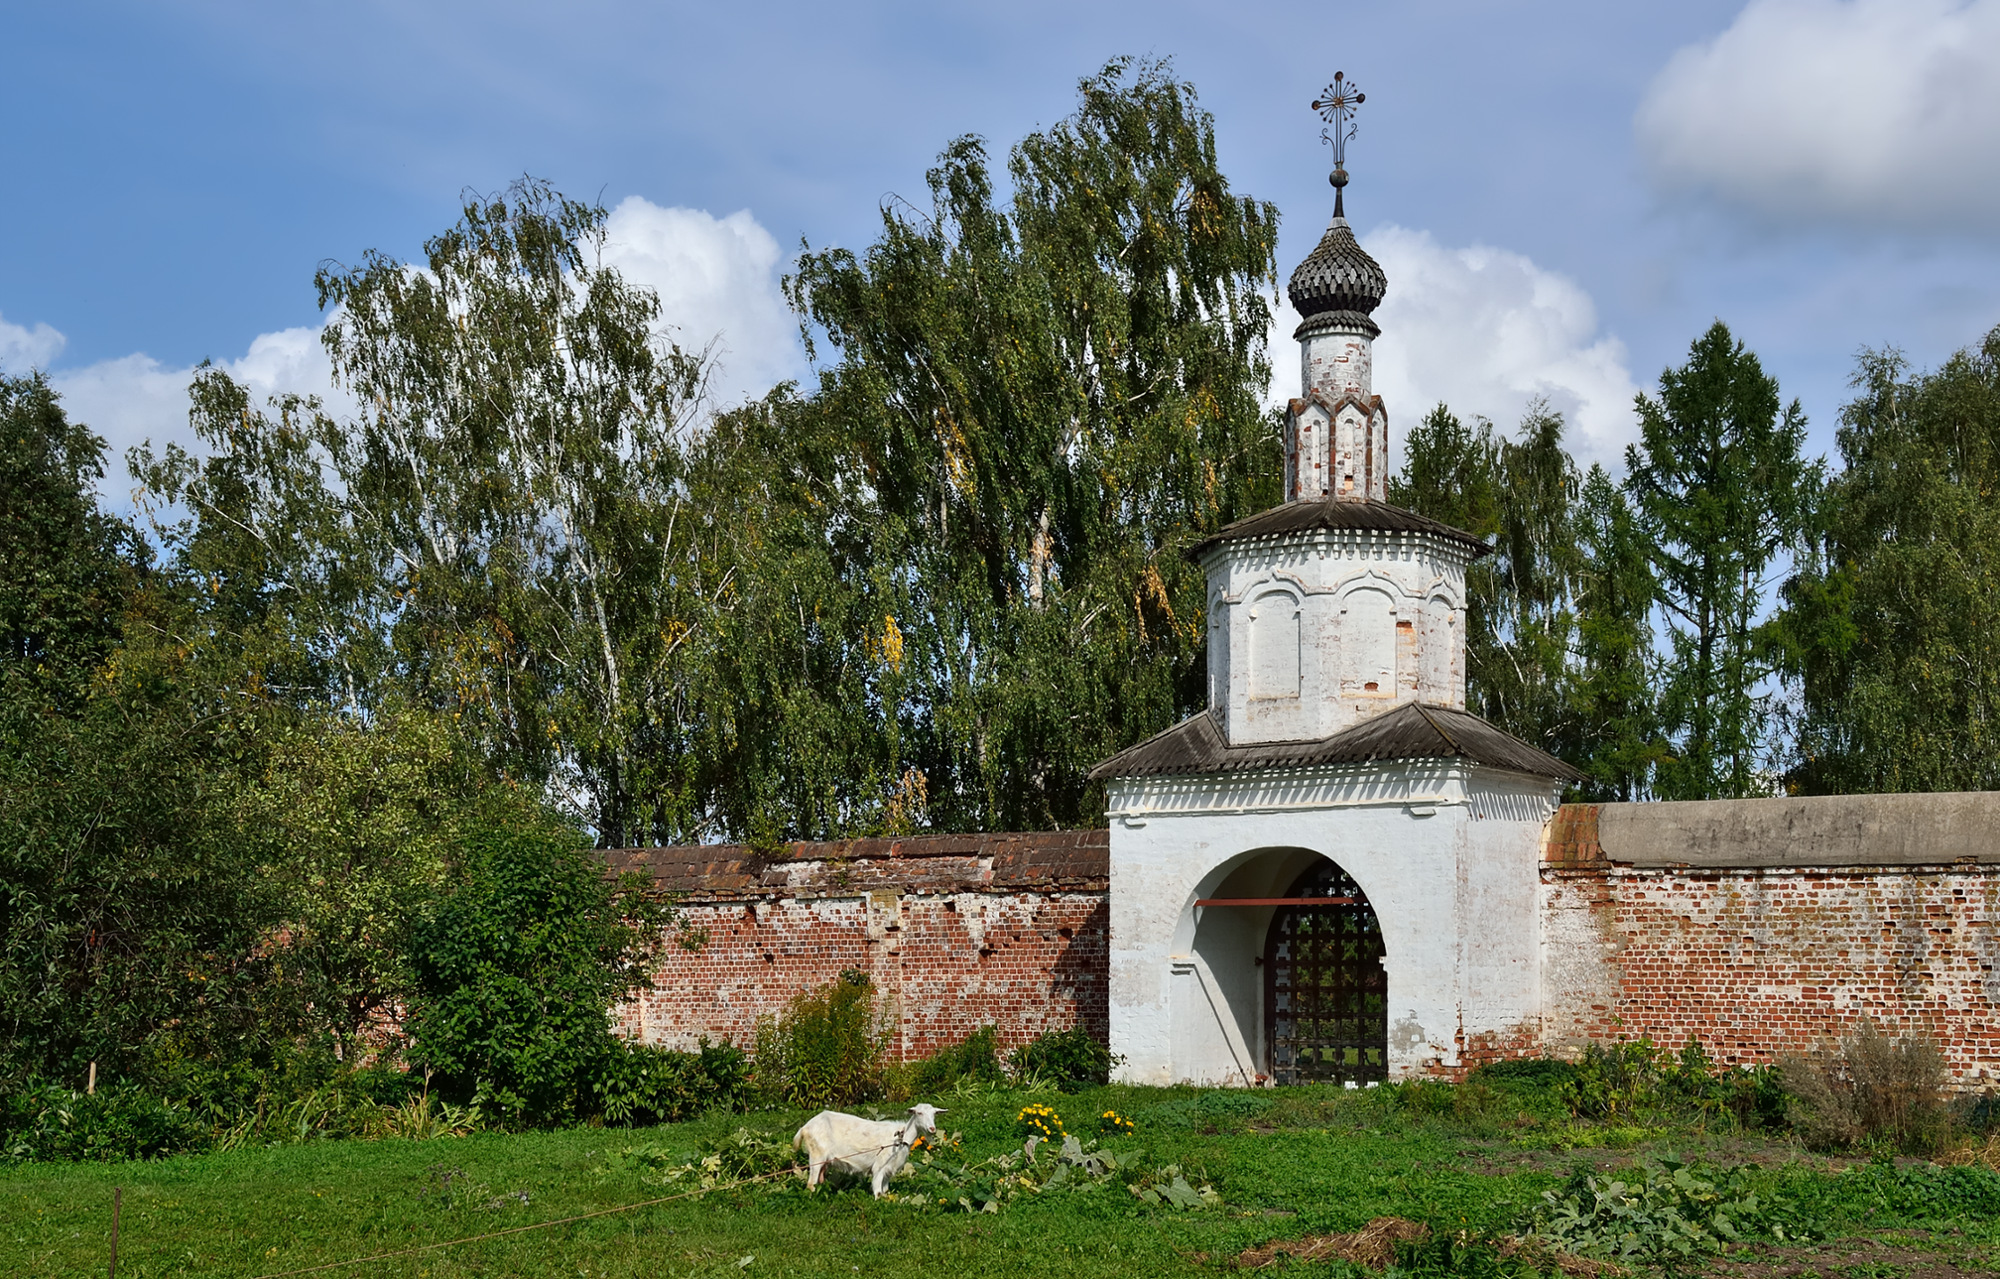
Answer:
[(1616, 741), (1719, 487), (1520, 493)]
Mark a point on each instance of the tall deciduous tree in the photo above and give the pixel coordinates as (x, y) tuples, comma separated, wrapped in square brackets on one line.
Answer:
[(1893, 621), (129, 901), (66, 568), (501, 532), (976, 556), (1719, 486)]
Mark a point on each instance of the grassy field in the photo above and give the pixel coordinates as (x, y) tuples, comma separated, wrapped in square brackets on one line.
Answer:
[(1287, 1164)]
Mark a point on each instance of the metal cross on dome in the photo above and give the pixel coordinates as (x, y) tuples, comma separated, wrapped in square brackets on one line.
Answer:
[(1335, 105)]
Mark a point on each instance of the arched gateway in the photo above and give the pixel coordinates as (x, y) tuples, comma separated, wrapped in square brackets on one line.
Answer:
[(1326, 992)]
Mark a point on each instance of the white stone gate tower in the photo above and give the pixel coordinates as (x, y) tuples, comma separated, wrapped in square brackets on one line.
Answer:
[(1331, 872)]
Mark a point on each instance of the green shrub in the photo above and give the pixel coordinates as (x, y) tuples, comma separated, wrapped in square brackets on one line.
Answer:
[(1070, 1059), (1978, 1113), (42, 1121), (1665, 1213), (976, 1060), (1870, 1090), (1534, 1072), (1916, 1195), (825, 1049), (517, 967), (642, 1084), (1618, 1082)]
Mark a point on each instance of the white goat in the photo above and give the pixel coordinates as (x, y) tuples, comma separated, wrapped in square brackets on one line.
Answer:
[(872, 1148)]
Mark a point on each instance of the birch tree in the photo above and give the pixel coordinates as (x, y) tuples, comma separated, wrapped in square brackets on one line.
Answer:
[(1036, 401), (1891, 619), (500, 531)]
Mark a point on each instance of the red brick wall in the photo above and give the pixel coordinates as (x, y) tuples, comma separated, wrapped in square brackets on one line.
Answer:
[(1758, 963), (945, 965), (1010, 931)]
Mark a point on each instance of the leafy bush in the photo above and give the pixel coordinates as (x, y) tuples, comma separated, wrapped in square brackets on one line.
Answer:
[(1870, 1090), (1666, 1213), (1071, 1059), (939, 1177), (517, 968), (1613, 1083), (976, 1060), (1978, 1113), (1532, 1072), (825, 1049), (1921, 1195), (1637, 1082), (41, 1121), (642, 1084)]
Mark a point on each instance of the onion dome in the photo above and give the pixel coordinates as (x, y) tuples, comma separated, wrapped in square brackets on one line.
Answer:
[(1338, 276)]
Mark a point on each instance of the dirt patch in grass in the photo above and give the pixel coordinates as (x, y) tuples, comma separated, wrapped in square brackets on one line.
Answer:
[(1374, 1245), (1936, 1258)]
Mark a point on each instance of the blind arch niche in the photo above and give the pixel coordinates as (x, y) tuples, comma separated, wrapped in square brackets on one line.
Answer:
[(1274, 645)]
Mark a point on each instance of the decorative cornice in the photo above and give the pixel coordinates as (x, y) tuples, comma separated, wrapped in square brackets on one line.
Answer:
[(1269, 550), (1489, 793)]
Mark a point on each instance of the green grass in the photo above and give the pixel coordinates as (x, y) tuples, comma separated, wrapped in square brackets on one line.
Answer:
[(1288, 1164)]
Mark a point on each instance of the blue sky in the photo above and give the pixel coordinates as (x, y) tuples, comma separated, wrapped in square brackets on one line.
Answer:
[(1564, 194)]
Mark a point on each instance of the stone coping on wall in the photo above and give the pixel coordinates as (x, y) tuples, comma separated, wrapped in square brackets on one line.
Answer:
[(1941, 829), (1037, 861)]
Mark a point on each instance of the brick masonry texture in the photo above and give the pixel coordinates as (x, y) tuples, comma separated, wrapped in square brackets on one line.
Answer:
[(955, 932), (1760, 962)]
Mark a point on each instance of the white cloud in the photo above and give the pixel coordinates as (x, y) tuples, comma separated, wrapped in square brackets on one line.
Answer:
[(1485, 331), (128, 401), (23, 349), (1865, 111), (716, 277), (718, 282), (135, 399)]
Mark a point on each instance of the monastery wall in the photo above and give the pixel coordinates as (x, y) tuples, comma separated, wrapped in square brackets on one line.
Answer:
[(1765, 927), (1762, 927), (954, 932)]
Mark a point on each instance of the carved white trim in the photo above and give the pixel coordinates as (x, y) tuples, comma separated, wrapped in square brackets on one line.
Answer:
[(1489, 793), (1276, 550)]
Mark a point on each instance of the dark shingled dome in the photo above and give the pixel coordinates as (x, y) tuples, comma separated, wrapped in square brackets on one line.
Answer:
[(1338, 276)]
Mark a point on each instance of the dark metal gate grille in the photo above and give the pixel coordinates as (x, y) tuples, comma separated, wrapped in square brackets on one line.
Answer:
[(1326, 996)]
